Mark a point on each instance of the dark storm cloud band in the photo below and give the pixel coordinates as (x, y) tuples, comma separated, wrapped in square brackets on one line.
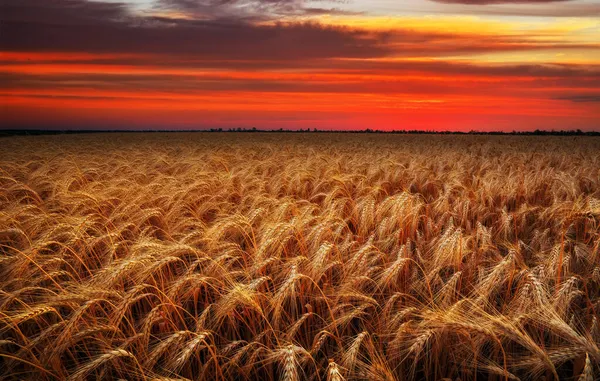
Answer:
[(78, 25), (96, 27)]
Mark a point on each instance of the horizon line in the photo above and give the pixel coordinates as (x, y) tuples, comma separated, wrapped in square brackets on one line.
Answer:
[(35, 132)]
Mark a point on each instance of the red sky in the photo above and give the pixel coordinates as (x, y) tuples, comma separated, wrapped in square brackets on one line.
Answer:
[(194, 64)]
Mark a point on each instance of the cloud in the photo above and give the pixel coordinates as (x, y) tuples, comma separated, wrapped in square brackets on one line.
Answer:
[(250, 9), (65, 12), (83, 26), (581, 98), (566, 10), (81, 46), (321, 76), (109, 28), (487, 2), (535, 8)]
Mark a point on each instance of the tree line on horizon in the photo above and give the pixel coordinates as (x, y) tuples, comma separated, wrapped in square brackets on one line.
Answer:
[(577, 132)]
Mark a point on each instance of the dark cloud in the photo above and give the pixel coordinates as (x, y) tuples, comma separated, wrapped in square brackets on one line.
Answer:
[(83, 26), (100, 27), (325, 76), (250, 9), (63, 12), (96, 27), (581, 98)]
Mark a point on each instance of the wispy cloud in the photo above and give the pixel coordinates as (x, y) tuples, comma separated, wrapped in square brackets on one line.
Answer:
[(581, 98), (251, 9), (526, 8), (486, 2)]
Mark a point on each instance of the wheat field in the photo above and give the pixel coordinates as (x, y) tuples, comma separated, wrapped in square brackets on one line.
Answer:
[(327, 257)]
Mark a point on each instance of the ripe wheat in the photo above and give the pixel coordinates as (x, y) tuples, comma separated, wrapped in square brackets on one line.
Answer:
[(315, 256)]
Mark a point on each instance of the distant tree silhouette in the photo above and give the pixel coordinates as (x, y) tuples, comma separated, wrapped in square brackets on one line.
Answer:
[(537, 132)]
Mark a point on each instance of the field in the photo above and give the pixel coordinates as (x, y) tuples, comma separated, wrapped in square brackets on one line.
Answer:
[(316, 256)]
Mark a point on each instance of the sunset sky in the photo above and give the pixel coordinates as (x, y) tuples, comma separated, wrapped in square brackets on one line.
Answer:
[(346, 64)]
